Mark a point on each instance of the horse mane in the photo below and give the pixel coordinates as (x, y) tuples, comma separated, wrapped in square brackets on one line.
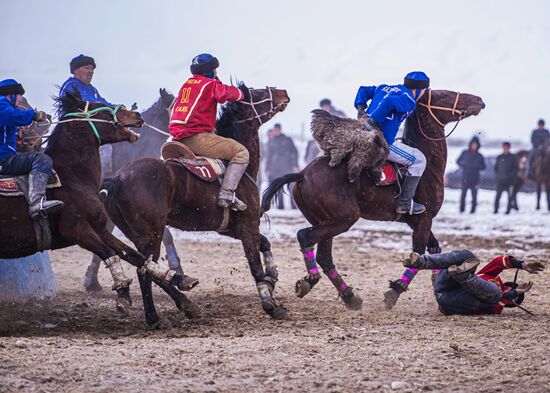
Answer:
[(411, 135), (69, 103), (225, 125)]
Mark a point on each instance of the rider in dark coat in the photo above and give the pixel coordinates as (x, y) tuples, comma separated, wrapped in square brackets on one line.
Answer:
[(37, 164)]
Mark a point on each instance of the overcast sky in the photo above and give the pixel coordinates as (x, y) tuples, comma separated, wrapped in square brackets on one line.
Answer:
[(499, 50)]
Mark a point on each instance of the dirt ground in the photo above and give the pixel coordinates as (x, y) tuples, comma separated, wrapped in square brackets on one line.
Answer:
[(79, 343)]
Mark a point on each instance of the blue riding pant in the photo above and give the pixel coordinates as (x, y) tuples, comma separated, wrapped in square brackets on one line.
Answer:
[(25, 163)]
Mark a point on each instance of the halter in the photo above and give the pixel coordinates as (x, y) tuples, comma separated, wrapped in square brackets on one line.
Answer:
[(453, 110), (253, 104), (86, 115)]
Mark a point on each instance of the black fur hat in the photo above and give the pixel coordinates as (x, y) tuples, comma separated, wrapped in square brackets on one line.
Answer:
[(81, 61), (10, 86), (204, 64)]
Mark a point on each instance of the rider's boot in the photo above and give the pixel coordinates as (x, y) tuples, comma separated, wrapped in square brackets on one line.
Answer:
[(439, 261), (38, 205), (227, 196), (406, 204)]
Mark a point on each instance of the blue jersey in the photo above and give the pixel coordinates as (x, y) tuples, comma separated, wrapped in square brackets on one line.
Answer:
[(389, 107), (10, 120), (87, 92)]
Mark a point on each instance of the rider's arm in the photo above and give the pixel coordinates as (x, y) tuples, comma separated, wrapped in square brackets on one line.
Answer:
[(497, 265), (364, 95), (398, 103), (222, 93), (13, 117)]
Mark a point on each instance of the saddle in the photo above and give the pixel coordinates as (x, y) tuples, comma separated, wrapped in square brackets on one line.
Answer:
[(204, 168), (392, 173), (15, 186)]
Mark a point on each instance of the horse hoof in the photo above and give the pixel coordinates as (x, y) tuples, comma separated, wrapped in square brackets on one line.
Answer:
[(278, 313), (92, 286), (302, 288), (123, 306), (192, 310), (354, 303), (390, 298), (153, 322)]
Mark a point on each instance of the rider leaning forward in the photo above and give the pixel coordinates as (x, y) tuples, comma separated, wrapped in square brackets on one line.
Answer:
[(37, 164), (193, 120), (389, 107)]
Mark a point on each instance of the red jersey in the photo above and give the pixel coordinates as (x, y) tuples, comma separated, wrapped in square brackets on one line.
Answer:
[(195, 107), (491, 273)]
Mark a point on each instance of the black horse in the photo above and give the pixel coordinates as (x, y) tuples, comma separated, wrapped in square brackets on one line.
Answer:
[(148, 145)]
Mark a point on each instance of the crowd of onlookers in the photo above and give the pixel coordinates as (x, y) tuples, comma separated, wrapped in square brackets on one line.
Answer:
[(506, 166)]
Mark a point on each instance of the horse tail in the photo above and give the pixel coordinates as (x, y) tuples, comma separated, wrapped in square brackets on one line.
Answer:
[(276, 187), (109, 190)]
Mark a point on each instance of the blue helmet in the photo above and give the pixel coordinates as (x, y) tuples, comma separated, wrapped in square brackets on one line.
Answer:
[(416, 80), (204, 64)]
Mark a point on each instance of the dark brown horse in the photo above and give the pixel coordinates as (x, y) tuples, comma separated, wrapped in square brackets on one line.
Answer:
[(74, 149), (521, 156), (541, 173), (332, 205), (148, 194), (148, 145)]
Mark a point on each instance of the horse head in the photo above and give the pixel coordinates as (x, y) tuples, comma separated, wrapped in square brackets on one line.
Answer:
[(109, 124), (445, 106), (256, 108)]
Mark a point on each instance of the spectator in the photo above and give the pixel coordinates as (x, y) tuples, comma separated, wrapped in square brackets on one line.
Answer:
[(471, 162), (539, 137), (282, 158), (506, 169), (312, 149), (326, 105)]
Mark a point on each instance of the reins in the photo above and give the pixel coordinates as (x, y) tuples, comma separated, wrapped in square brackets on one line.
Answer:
[(87, 116), (253, 105), (453, 110)]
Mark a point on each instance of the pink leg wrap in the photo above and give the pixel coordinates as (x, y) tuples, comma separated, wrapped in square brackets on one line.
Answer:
[(337, 280), (409, 275)]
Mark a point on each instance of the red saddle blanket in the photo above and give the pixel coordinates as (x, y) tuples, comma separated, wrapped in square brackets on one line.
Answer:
[(391, 173), (200, 168), (14, 186)]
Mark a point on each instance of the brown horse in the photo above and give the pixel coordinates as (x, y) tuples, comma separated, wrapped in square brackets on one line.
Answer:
[(521, 156), (74, 149), (148, 194), (541, 173), (332, 204)]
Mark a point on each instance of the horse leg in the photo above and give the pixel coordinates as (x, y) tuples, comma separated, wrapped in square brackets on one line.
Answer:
[(265, 283), (171, 252), (269, 263), (539, 191), (422, 234), (324, 257), (318, 234), (91, 283)]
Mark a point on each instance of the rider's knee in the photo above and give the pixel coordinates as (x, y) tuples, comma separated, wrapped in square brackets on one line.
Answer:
[(240, 154), (420, 161), (42, 163), (465, 254)]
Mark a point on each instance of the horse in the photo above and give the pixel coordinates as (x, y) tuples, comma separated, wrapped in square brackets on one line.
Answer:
[(73, 147), (541, 173), (522, 157), (30, 137), (332, 204), (148, 145), (148, 194)]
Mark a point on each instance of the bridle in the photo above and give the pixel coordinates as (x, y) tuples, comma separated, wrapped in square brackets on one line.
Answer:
[(453, 110), (257, 116)]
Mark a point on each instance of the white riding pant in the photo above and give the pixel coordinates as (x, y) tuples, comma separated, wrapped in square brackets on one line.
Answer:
[(412, 158)]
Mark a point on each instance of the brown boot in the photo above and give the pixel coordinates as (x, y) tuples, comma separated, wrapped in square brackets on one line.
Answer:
[(232, 177)]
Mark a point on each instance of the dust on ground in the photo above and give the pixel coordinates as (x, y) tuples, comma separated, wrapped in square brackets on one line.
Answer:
[(78, 342)]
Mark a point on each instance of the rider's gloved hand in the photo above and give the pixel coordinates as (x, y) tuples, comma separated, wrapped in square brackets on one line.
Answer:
[(42, 116), (361, 111)]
